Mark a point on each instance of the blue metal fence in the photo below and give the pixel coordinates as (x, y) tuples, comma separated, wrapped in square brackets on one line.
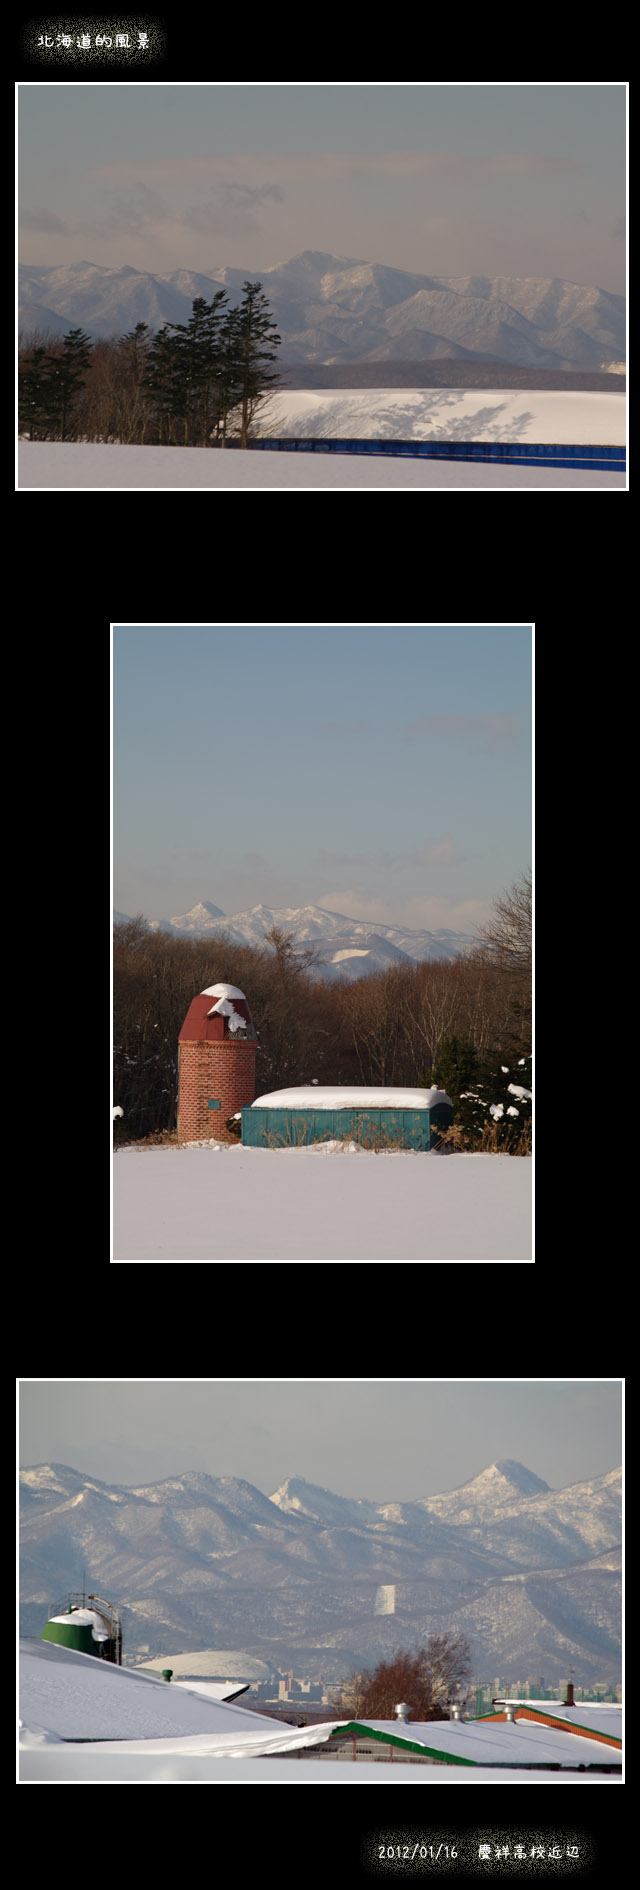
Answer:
[(512, 452)]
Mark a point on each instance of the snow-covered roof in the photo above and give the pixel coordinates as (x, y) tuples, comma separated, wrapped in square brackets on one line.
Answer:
[(66, 1697), (215, 1689), (333, 1096), (70, 1696), (515, 1742), (599, 1716), (228, 1002)]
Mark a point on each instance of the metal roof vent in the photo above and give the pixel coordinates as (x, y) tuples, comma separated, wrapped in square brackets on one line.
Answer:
[(509, 1712), (402, 1711)]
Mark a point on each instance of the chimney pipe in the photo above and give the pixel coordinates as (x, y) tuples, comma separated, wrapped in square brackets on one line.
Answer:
[(402, 1711), (569, 1699)]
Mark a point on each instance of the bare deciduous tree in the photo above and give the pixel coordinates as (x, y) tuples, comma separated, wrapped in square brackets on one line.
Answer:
[(427, 1680), (376, 1011), (507, 935)]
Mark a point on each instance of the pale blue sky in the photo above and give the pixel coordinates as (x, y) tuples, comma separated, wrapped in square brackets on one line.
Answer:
[(382, 1440), (381, 771), (449, 180)]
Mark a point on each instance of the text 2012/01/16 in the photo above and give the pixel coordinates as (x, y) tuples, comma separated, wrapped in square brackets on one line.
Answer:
[(419, 1850)]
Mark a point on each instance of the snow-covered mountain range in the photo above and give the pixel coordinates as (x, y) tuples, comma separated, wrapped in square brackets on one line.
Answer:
[(349, 948), (308, 1578), (337, 309)]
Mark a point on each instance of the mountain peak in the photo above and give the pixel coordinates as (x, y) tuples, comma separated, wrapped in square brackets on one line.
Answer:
[(524, 1481), (498, 1488), (320, 1505), (502, 1480)]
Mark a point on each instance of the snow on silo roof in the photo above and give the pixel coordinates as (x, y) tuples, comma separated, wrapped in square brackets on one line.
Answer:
[(222, 991), (225, 993)]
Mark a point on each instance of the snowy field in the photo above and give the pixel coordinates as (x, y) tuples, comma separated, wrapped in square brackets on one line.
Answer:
[(320, 1203), (45, 466), (402, 413), (447, 413)]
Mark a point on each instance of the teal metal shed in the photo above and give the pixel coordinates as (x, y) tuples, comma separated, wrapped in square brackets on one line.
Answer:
[(290, 1118)]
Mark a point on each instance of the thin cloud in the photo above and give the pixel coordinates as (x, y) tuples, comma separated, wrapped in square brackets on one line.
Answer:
[(44, 220), (136, 211), (321, 166), (229, 208)]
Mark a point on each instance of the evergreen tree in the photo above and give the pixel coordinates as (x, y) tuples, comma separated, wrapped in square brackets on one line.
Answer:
[(210, 367), (33, 394), (163, 384), (229, 380), (196, 355), (179, 385), (133, 352), (483, 1094), (457, 1067), (256, 339), (66, 378), (49, 384), (458, 1071), (509, 1111)]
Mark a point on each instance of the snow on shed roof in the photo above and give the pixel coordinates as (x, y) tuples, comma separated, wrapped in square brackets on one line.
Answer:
[(473, 1742), (598, 1718), (74, 1696), (333, 1096)]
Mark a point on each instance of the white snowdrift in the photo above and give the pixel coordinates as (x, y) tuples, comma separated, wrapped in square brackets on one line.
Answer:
[(304, 1204)]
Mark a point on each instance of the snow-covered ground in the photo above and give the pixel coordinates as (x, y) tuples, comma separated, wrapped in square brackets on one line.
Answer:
[(48, 467), (321, 1203), (447, 413), (403, 413)]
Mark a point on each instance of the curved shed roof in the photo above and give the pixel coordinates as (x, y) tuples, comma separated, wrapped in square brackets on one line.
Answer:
[(334, 1096)]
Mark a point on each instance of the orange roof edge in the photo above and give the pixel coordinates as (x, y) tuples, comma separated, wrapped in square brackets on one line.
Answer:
[(549, 1719)]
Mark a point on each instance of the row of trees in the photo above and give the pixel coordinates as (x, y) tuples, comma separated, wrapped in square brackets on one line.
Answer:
[(191, 384), (464, 1023)]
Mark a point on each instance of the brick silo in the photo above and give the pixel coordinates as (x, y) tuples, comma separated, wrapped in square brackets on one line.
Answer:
[(216, 1063)]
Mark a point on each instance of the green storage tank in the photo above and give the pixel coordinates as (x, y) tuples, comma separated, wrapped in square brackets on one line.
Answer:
[(93, 1629), (290, 1118)]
